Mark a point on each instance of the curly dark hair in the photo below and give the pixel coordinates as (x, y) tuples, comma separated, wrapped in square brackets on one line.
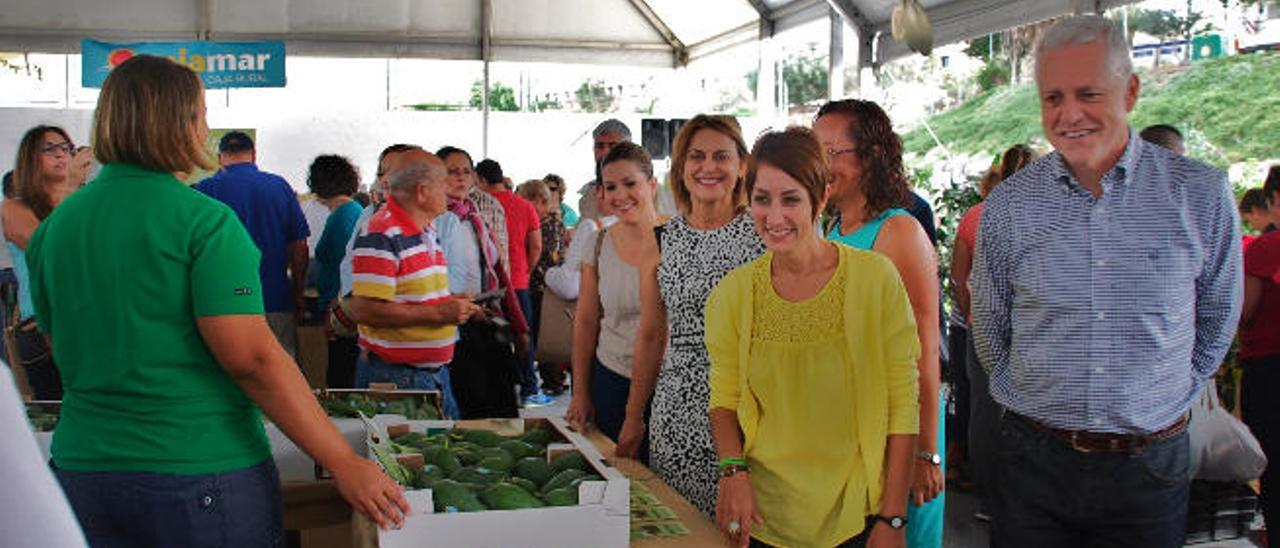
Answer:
[(878, 151), (332, 175)]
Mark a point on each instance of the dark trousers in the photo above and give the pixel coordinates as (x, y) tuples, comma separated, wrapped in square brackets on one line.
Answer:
[(958, 376), (37, 360), (343, 354), (1054, 496), (983, 431), (528, 377), (484, 370), (609, 392), (145, 510), (1260, 409)]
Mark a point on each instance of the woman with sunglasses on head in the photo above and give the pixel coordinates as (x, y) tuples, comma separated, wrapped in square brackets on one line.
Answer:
[(712, 236), (166, 355), (813, 377), (41, 181), (869, 190)]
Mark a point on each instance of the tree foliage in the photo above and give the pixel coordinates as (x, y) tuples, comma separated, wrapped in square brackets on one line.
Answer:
[(804, 73), (501, 96), (593, 96)]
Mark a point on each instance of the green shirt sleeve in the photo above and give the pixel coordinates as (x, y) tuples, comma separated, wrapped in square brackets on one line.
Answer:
[(224, 267)]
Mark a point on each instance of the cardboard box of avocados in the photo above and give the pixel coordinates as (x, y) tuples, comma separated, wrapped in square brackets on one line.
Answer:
[(479, 506)]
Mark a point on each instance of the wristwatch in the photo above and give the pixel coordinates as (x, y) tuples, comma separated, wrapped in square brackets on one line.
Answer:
[(895, 522), (931, 458)]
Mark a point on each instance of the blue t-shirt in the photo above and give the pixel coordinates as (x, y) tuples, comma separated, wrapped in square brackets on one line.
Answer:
[(332, 247), (269, 210)]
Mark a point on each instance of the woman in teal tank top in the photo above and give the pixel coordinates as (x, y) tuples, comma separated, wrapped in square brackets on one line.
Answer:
[(869, 187)]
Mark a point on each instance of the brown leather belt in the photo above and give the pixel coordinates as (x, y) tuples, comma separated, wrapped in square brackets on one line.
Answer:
[(1105, 442)]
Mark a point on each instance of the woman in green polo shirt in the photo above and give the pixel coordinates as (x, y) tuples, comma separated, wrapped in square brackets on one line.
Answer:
[(151, 296)]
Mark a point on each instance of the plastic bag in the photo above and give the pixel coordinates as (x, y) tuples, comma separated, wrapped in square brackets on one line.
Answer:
[(1222, 447)]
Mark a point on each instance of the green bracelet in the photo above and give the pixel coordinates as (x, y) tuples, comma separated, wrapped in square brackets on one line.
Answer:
[(725, 463)]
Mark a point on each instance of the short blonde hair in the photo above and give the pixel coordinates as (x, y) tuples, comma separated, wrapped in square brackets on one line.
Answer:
[(149, 114), (534, 190)]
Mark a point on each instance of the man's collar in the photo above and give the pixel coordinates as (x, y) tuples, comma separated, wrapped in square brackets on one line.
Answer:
[(402, 217), (246, 165), (1125, 165)]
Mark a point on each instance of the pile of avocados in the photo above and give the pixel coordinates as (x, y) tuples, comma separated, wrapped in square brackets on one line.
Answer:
[(475, 470), (351, 405)]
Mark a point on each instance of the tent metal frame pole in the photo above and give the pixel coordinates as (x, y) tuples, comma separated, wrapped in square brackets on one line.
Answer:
[(486, 53), (835, 57)]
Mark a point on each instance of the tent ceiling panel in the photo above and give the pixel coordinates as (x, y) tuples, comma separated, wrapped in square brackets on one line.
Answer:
[(73, 16), (647, 32), (572, 20), (695, 22)]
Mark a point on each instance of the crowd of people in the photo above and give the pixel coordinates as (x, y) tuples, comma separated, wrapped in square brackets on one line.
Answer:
[(765, 330)]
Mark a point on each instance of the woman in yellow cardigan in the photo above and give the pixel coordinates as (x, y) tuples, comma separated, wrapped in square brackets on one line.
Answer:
[(814, 408)]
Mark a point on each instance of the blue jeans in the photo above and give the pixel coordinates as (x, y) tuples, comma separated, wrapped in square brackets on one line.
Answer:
[(240, 508), (1055, 496), (372, 369), (528, 374)]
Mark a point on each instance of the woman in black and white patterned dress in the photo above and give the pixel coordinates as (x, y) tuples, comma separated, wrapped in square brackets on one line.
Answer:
[(712, 236)]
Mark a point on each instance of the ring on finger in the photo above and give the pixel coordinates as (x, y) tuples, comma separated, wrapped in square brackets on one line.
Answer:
[(734, 527)]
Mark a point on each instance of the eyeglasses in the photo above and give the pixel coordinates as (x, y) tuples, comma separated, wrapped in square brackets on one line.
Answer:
[(64, 147), (553, 188), (832, 153)]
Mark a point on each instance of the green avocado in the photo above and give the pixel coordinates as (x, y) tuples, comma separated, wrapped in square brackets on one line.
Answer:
[(564, 496), (467, 457), (518, 449), (567, 461), (538, 436), (449, 496), (447, 461), (507, 496), (523, 484), (562, 479), (483, 438), (476, 474), (496, 453), (533, 469)]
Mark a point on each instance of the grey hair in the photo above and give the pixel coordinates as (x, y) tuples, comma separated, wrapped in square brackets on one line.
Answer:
[(1085, 29), (612, 125), (408, 177)]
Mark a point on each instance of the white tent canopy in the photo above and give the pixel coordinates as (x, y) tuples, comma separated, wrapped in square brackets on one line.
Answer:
[(615, 32)]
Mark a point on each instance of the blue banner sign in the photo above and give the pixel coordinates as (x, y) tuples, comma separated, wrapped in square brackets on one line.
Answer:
[(219, 64)]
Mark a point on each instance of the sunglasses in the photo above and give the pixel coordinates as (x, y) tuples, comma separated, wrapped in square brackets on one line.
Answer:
[(64, 147)]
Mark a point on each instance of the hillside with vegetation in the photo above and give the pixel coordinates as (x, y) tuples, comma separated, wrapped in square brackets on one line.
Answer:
[(1227, 107)]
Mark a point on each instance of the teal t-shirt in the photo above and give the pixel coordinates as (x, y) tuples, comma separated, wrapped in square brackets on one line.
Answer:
[(568, 216), (119, 273), (864, 237), (332, 247)]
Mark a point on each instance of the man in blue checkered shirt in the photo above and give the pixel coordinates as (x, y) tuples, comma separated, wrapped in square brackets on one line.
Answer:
[(1106, 288)]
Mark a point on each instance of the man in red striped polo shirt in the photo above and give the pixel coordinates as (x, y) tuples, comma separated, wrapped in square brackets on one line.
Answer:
[(407, 318)]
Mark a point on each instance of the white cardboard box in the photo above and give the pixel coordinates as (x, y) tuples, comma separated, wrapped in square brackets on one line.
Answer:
[(601, 519)]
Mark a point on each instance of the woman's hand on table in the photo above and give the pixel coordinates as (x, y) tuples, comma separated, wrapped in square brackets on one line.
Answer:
[(927, 481), (580, 414), (883, 536), (736, 510), (630, 436), (371, 492)]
